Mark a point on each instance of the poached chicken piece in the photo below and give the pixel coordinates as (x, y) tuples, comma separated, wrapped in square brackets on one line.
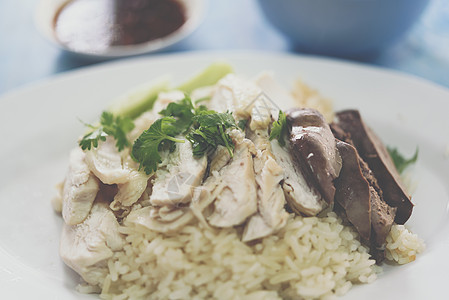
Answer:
[(174, 184), (79, 190), (271, 215), (85, 247), (233, 187)]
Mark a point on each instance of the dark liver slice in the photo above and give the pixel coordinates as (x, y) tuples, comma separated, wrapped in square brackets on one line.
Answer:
[(314, 150), (372, 150), (359, 195), (353, 191)]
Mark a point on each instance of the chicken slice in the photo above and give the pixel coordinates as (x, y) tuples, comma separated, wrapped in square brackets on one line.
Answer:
[(168, 219), (299, 195), (174, 183), (233, 188), (219, 158), (106, 163), (271, 214), (163, 219), (86, 247), (79, 190), (236, 95), (129, 192)]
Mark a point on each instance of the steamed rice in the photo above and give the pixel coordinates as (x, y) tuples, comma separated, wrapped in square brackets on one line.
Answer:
[(310, 258)]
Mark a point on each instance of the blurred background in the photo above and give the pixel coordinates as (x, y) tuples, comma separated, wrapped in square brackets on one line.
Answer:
[(422, 49)]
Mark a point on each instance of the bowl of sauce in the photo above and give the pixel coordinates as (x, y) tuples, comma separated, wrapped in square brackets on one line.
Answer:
[(115, 28)]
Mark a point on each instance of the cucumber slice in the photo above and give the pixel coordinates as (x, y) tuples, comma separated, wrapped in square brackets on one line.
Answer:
[(140, 99), (208, 76)]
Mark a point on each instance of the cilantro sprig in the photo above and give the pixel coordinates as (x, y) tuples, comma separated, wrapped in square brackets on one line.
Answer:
[(400, 161), (183, 111), (204, 129), (160, 135), (279, 129), (110, 125), (210, 132)]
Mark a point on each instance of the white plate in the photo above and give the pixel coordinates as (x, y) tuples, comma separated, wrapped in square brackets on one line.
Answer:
[(39, 125)]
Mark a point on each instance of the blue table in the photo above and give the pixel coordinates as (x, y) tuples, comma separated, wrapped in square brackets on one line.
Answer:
[(26, 57)]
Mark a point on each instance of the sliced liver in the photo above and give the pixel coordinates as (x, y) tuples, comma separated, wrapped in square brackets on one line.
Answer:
[(314, 150), (372, 150)]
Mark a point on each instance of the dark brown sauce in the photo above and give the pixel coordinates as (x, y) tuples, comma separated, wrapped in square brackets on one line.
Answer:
[(95, 25)]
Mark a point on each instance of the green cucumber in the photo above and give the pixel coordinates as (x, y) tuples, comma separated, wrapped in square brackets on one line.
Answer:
[(142, 98), (208, 76)]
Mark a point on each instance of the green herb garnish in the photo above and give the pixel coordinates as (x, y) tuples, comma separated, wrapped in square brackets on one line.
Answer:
[(160, 135), (400, 161), (205, 129), (183, 112), (210, 132), (110, 125), (279, 129), (242, 124)]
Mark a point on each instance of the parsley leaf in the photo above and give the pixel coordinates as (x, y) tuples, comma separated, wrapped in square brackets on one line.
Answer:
[(242, 124), (279, 129), (210, 132), (183, 111), (147, 146), (110, 125), (400, 161)]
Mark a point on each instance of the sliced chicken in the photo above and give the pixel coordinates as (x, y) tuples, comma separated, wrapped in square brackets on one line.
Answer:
[(168, 219), (129, 192), (233, 188), (161, 219), (79, 190), (271, 215), (236, 95), (86, 247), (56, 201), (173, 184), (301, 198), (219, 158), (274, 92), (106, 163)]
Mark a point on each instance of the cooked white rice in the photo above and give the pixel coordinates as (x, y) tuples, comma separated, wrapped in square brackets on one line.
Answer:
[(309, 97), (402, 245), (310, 258)]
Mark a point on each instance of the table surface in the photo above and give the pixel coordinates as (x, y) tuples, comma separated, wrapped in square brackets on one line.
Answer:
[(25, 56)]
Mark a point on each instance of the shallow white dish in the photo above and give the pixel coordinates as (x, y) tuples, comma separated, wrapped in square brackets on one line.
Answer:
[(39, 125), (47, 9)]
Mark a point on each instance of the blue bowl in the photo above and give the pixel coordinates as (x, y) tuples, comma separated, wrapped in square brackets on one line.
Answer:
[(345, 28)]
